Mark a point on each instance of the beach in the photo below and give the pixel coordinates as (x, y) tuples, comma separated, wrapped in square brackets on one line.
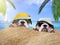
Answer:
[(25, 36)]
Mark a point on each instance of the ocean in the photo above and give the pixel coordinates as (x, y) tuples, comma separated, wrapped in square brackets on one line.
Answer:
[(6, 24), (56, 25)]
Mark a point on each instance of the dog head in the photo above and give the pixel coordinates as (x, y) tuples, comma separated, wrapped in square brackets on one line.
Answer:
[(22, 23), (44, 26)]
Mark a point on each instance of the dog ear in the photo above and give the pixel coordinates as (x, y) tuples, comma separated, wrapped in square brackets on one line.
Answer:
[(30, 21), (51, 26)]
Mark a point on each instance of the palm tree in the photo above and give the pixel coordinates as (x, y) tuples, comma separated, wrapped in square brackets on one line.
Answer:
[(55, 8), (3, 6)]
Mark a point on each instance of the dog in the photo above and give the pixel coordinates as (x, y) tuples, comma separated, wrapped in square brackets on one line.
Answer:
[(44, 25), (22, 23)]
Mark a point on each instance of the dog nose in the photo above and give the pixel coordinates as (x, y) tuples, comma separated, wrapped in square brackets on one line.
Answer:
[(45, 26), (22, 22)]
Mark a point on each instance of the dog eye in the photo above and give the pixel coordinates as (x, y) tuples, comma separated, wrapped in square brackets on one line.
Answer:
[(39, 25)]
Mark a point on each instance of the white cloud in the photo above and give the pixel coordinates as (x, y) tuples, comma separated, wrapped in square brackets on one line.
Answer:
[(29, 2), (6, 18), (51, 0), (1, 14)]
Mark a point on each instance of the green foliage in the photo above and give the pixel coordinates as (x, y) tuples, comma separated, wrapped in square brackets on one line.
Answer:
[(11, 4), (3, 6), (43, 4), (55, 8)]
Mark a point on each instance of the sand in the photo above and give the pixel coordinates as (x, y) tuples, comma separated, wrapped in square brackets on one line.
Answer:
[(25, 36)]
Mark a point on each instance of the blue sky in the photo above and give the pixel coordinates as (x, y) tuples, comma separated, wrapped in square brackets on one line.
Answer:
[(30, 7)]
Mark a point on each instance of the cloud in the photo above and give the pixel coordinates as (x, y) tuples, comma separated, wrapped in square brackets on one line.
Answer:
[(30, 2), (51, 0)]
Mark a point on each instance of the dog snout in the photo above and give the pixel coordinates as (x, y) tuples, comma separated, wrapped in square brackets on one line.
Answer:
[(45, 26), (22, 22)]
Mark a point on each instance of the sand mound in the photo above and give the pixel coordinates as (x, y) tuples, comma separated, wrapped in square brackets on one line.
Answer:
[(24, 36)]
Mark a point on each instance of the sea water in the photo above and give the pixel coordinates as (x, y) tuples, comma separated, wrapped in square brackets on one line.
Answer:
[(56, 25), (6, 24)]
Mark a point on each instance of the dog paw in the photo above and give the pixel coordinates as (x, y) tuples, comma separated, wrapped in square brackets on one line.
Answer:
[(52, 31)]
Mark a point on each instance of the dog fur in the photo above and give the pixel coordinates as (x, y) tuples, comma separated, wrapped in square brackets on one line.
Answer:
[(39, 27)]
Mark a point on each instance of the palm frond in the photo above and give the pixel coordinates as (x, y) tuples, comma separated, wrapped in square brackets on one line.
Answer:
[(56, 9), (43, 4), (11, 4), (3, 7)]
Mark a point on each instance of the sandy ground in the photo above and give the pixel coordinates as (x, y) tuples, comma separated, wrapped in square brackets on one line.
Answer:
[(24, 36)]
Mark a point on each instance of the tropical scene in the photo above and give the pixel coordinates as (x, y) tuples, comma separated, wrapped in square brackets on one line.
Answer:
[(29, 22)]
